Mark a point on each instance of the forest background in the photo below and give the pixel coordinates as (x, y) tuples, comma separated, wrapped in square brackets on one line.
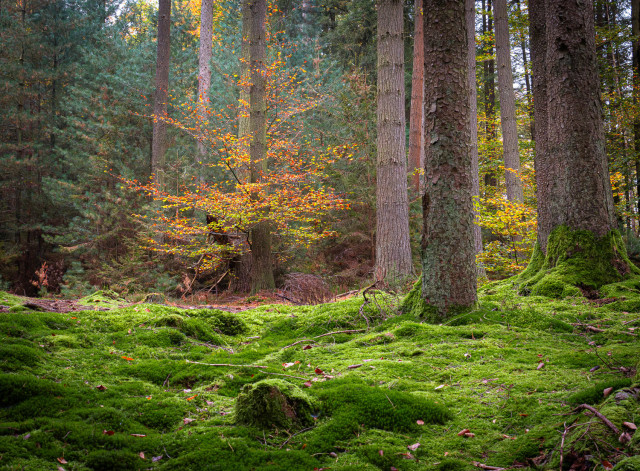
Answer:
[(77, 209)]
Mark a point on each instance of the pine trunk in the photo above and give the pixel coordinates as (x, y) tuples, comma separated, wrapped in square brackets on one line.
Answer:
[(393, 248), (448, 250), (510, 150), (204, 68), (470, 12), (416, 118), (161, 96), (261, 259)]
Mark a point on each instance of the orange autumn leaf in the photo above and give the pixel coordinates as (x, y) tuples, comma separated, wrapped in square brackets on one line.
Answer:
[(128, 358)]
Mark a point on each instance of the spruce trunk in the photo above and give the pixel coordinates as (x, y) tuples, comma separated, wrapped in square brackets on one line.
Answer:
[(416, 117), (161, 95), (204, 70)]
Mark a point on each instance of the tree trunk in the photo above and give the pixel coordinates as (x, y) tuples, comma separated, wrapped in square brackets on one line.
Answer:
[(416, 118), (204, 69), (261, 264), (507, 104), (635, 22), (470, 12), (448, 251), (393, 248), (527, 80), (161, 96), (490, 178), (578, 246)]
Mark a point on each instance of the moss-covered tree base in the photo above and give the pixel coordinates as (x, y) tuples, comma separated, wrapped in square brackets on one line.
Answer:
[(576, 262), (414, 304), (273, 403)]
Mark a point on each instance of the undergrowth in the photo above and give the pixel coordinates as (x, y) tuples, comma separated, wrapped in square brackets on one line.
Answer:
[(150, 386)]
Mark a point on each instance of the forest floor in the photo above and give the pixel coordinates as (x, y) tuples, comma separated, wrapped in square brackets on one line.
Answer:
[(519, 382)]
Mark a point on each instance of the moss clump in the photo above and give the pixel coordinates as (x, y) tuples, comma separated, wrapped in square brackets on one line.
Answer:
[(222, 322), (14, 356), (108, 460), (414, 305), (155, 298), (628, 464), (594, 394), (103, 298), (575, 261), (273, 402)]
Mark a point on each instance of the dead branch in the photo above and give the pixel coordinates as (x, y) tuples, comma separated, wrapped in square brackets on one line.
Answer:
[(297, 433), (486, 466), (296, 343), (604, 420), (226, 364), (339, 332)]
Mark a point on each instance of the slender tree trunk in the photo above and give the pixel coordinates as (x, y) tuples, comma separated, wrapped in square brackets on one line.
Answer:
[(448, 250), (416, 118), (470, 12), (527, 80), (490, 178), (161, 96), (262, 265), (635, 22), (507, 104), (204, 69), (393, 248)]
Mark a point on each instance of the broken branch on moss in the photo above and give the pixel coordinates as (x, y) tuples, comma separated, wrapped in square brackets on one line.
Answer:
[(604, 420)]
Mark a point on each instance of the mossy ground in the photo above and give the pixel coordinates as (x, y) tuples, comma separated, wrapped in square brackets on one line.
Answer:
[(478, 371)]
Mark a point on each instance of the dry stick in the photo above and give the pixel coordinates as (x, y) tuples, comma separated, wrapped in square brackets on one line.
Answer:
[(606, 421), (219, 280), (485, 466), (226, 364), (631, 321), (339, 332), (564, 434), (296, 343), (297, 433)]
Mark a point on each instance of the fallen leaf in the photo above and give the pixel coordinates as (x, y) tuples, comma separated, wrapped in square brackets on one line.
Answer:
[(606, 464), (62, 461), (439, 387), (141, 455), (192, 398), (630, 425), (333, 454), (463, 431), (351, 367), (128, 358), (138, 435), (540, 366), (148, 398), (60, 468), (407, 456), (108, 432), (101, 388), (209, 403), (624, 438), (381, 453), (393, 468), (420, 422), (607, 391), (187, 420), (595, 368), (307, 347), (318, 371), (469, 435), (129, 332), (287, 365), (156, 458), (308, 384), (413, 447)]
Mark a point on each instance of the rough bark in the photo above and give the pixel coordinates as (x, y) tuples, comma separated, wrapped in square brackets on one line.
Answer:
[(416, 117), (448, 251), (635, 22), (204, 66), (161, 95), (393, 248), (245, 59), (490, 178), (508, 122), (470, 12), (261, 264)]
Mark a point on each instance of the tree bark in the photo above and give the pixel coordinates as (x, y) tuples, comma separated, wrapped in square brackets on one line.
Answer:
[(393, 248), (416, 118), (261, 264), (204, 69), (470, 12), (635, 23), (448, 251), (490, 178), (510, 150), (161, 96)]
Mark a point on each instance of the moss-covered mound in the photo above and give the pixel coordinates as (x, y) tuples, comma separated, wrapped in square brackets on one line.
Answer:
[(575, 262), (273, 403)]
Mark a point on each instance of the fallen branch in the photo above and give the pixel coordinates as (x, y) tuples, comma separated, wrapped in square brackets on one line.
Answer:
[(604, 420), (340, 332), (297, 433), (226, 364), (296, 343), (348, 293), (486, 466)]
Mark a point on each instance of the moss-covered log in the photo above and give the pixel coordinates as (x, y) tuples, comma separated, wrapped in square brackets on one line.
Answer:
[(576, 262)]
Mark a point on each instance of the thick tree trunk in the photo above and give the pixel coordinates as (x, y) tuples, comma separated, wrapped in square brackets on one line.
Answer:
[(448, 251), (261, 257), (161, 96), (507, 104), (204, 68), (393, 248), (578, 246), (416, 118), (470, 12), (635, 22)]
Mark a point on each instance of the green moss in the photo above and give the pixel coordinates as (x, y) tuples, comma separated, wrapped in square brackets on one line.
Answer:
[(575, 260), (594, 394), (273, 403), (414, 305), (631, 463), (103, 298), (109, 460), (13, 356)]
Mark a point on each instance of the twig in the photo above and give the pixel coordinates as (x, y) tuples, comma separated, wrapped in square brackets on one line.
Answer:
[(348, 293), (394, 406), (297, 433), (219, 280), (166, 379), (606, 421), (296, 343), (564, 434), (486, 466), (631, 321), (226, 364), (340, 332)]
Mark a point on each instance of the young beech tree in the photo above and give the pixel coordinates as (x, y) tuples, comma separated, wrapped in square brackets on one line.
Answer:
[(577, 246), (393, 247), (448, 250)]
